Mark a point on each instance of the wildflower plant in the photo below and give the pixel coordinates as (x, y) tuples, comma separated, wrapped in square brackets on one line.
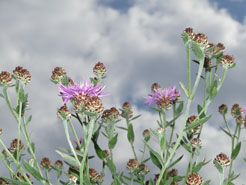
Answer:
[(82, 103)]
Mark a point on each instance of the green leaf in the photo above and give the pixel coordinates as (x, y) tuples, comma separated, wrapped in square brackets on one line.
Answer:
[(157, 155), (199, 109), (35, 173), (218, 166), (135, 117), (175, 162), (227, 133), (206, 182), (184, 89), (198, 122), (65, 81), (33, 148), (68, 158), (99, 152), (111, 166), (198, 166), (213, 93), (11, 181), (179, 108), (130, 134), (197, 51), (232, 66), (162, 142), (155, 160), (93, 81), (29, 120), (113, 141), (169, 181), (236, 151), (122, 128)]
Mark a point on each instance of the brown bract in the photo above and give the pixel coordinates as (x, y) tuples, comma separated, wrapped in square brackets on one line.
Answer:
[(222, 159), (99, 70), (22, 74), (58, 74), (5, 78), (46, 163), (194, 179)]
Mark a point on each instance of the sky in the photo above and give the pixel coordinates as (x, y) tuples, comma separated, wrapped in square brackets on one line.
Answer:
[(139, 43)]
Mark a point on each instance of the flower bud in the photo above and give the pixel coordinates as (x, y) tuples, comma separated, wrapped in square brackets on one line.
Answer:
[(127, 109), (201, 39), (194, 179), (99, 70), (223, 109), (160, 130), (59, 164), (13, 145), (5, 78), (73, 179), (31, 162), (146, 133), (20, 176), (190, 120), (132, 165), (236, 110), (222, 159), (22, 74), (58, 74), (240, 120), (94, 104), (227, 61), (64, 113), (46, 163), (155, 86), (110, 114), (190, 33), (94, 176), (196, 143)]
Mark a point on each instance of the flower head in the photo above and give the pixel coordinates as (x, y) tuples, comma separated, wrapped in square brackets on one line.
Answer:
[(194, 179), (222, 159), (132, 165), (99, 70), (94, 176), (236, 110), (163, 97), (244, 110), (227, 61), (5, 78), (87, 89), (46, 163), (110, 114), (22, 74), (58, 74)]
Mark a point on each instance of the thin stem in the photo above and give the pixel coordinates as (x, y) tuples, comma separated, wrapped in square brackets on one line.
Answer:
[(143, 154), (18, 133), (222, 177), (47, 177), (232, 148), (173, 125), (189, 69), (87, 143), (74, 133), (227, 126), (132, 146), (189, 168), (132, 178)]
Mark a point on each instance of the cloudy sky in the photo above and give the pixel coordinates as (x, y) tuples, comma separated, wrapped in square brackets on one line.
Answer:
[(138, 41)]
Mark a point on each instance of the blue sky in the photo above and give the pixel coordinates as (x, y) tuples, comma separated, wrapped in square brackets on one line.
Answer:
[(139, 42)]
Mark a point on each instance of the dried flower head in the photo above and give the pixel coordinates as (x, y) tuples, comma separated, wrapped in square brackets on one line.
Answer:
[(94, 104), (46, 163), (94, 176), (194, 179), (64, 113), (236, 110), (201, 39), (13, 145), (163, 98), (127, 109), (207, 63), (58, 74), (220, 48), (222, 159), (132, 165), (5, 78), (3, 182), (190, 120), (190, 33), (99, 70), (145, 169), (59, 164), (227, 61), (22, 74), (223, 109), (196, 143), (155, 86), (110, 114)]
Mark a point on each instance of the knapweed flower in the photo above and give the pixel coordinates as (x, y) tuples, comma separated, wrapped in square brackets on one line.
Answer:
[(194, 179), (244, 110), (227, 61), (163, 97), (213, 50), (190, 120), (196, 143), (110, 114), (191, 34), (46, 163), (66, 111), (127, 109), (94, 176), (201, 39), (22, 74), (99, 70), (236, 110), (58, 74), (5, 78), (59, 164), (132, 165), (223, 109), (222, 159), (13, 145), (85, 89)]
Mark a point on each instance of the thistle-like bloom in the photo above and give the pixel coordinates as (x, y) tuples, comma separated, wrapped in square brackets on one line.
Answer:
[(13, 145), (5, 78), (132, 165), (227, 61), (127, 109), (191, 34), (66, 111), (190, 120), (20, 176), (68, 93), (145, 169), (94, 176), (110, 114), (222, 159), (22, 74), (58, 74), (194, 179), (163, 97), (201, 39), (99, 70)]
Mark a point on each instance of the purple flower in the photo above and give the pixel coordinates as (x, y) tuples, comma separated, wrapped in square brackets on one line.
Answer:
[(80, 141), (171, 94), (68, 93), (244, 110)]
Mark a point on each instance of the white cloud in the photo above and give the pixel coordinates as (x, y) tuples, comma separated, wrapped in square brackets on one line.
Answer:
[(139, 47)]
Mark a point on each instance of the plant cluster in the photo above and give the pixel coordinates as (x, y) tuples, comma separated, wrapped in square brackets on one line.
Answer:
[(82, 104)]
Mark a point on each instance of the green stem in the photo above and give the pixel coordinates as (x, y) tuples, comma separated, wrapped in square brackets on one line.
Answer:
[(189, 69), (87, 143), (18, 133), (227, 126), (47, 177), (74, 133), (222, 177), (189, 168), (132, 146), (232, 148), (173, 125), (143, 154)]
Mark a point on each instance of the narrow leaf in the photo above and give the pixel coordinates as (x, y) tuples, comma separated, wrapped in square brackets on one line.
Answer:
[(184, 88), (157, 155), (218, 166), (199, 109), (198, 122), (99, 152), (122, 128), (179, 108), (35, 173), (135, 117), (113, 141), (155, 160), (175, 162), (68, 158), (236, 151), (130, 134), (11, 181)]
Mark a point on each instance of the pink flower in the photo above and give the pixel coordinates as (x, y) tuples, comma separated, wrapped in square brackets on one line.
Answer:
[(244, 110), (68, 93)]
